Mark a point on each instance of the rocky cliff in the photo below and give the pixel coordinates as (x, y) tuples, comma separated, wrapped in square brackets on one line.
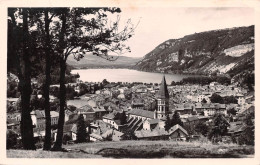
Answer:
[(227, 51)]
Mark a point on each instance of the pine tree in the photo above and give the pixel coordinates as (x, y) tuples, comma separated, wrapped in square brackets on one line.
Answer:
[(176, 119), (123, 118), (81, 129), (167, 125)]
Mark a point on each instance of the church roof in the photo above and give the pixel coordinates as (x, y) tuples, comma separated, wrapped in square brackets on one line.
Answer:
[(163, 91), (143, 113)]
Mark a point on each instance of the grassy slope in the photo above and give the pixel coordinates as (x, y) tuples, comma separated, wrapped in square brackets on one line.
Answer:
[(143, 149)]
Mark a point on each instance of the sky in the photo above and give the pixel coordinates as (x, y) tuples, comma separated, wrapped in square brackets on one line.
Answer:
[(160, 24)]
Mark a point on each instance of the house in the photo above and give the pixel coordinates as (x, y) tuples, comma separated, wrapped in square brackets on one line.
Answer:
[(137, 104), (99, 112), (248, 110), (38, 118), (176, 132), (95, 137), (16, 116), (69, 130), (236, 128), (38, 132), (151, 124), (211, 109), (121, 96), (241, 100), (54, 117), (192, 121), (12, 101), (13, 124), (87, 111), (213, 84), (184, 108), (113, 119), (115, 135)]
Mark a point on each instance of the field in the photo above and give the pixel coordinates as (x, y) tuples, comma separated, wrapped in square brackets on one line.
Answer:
[(142, 149)]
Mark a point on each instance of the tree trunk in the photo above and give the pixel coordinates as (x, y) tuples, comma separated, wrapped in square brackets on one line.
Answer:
[(47, 140), (58, 144), (25, 84)]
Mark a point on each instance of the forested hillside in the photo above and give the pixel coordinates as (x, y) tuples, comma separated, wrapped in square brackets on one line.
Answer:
[(228, 51)]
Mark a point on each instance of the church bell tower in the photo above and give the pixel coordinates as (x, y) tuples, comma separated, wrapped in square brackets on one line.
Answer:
[(162, 99)]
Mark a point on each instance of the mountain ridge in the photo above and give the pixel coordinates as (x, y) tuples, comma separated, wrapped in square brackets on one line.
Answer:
[(221, 51), (91, 61)]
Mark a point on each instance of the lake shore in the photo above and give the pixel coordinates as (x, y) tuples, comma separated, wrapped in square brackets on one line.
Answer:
[(126, 75)]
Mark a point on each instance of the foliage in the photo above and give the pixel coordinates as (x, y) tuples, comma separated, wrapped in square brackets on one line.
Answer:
[(176, 119), (231, 111), (230, 100), (65, 139), (129, 135), (248, 135), (70, 93), (11, 139), (215, 98), (12, 89), (105, 82), (219, 128), (109, 137), (167, 125), (202, 128), (81, 130), (123, 118)]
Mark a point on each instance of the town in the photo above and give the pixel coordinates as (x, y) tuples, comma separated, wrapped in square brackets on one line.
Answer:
[(107, 82), (141, 111)]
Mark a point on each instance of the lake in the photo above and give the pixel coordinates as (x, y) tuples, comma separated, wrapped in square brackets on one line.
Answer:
[(125, 75)]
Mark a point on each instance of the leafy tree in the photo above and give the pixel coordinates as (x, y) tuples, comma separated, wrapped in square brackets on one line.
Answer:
[(247, 137), (215, 98), (167, 125), (219, 128), (81, 130), (202, 128), (176, 119), (230, 100), (95, 38), (83, 89)]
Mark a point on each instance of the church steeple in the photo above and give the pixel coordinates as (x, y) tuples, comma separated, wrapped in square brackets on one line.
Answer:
[(163, 92), (162, 98)]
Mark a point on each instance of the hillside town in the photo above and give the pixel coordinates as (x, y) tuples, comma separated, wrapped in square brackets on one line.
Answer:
[(140, 111)]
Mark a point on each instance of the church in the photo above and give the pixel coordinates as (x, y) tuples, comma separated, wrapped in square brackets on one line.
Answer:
[(143, 119)]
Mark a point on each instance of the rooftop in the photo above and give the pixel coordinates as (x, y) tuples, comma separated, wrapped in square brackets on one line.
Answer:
[(143, 113)]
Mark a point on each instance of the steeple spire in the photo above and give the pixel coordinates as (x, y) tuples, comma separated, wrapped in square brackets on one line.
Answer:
[(163, 92)]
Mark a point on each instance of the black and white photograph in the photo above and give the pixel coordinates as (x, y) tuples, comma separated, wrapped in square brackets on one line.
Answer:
[(129, 82)]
